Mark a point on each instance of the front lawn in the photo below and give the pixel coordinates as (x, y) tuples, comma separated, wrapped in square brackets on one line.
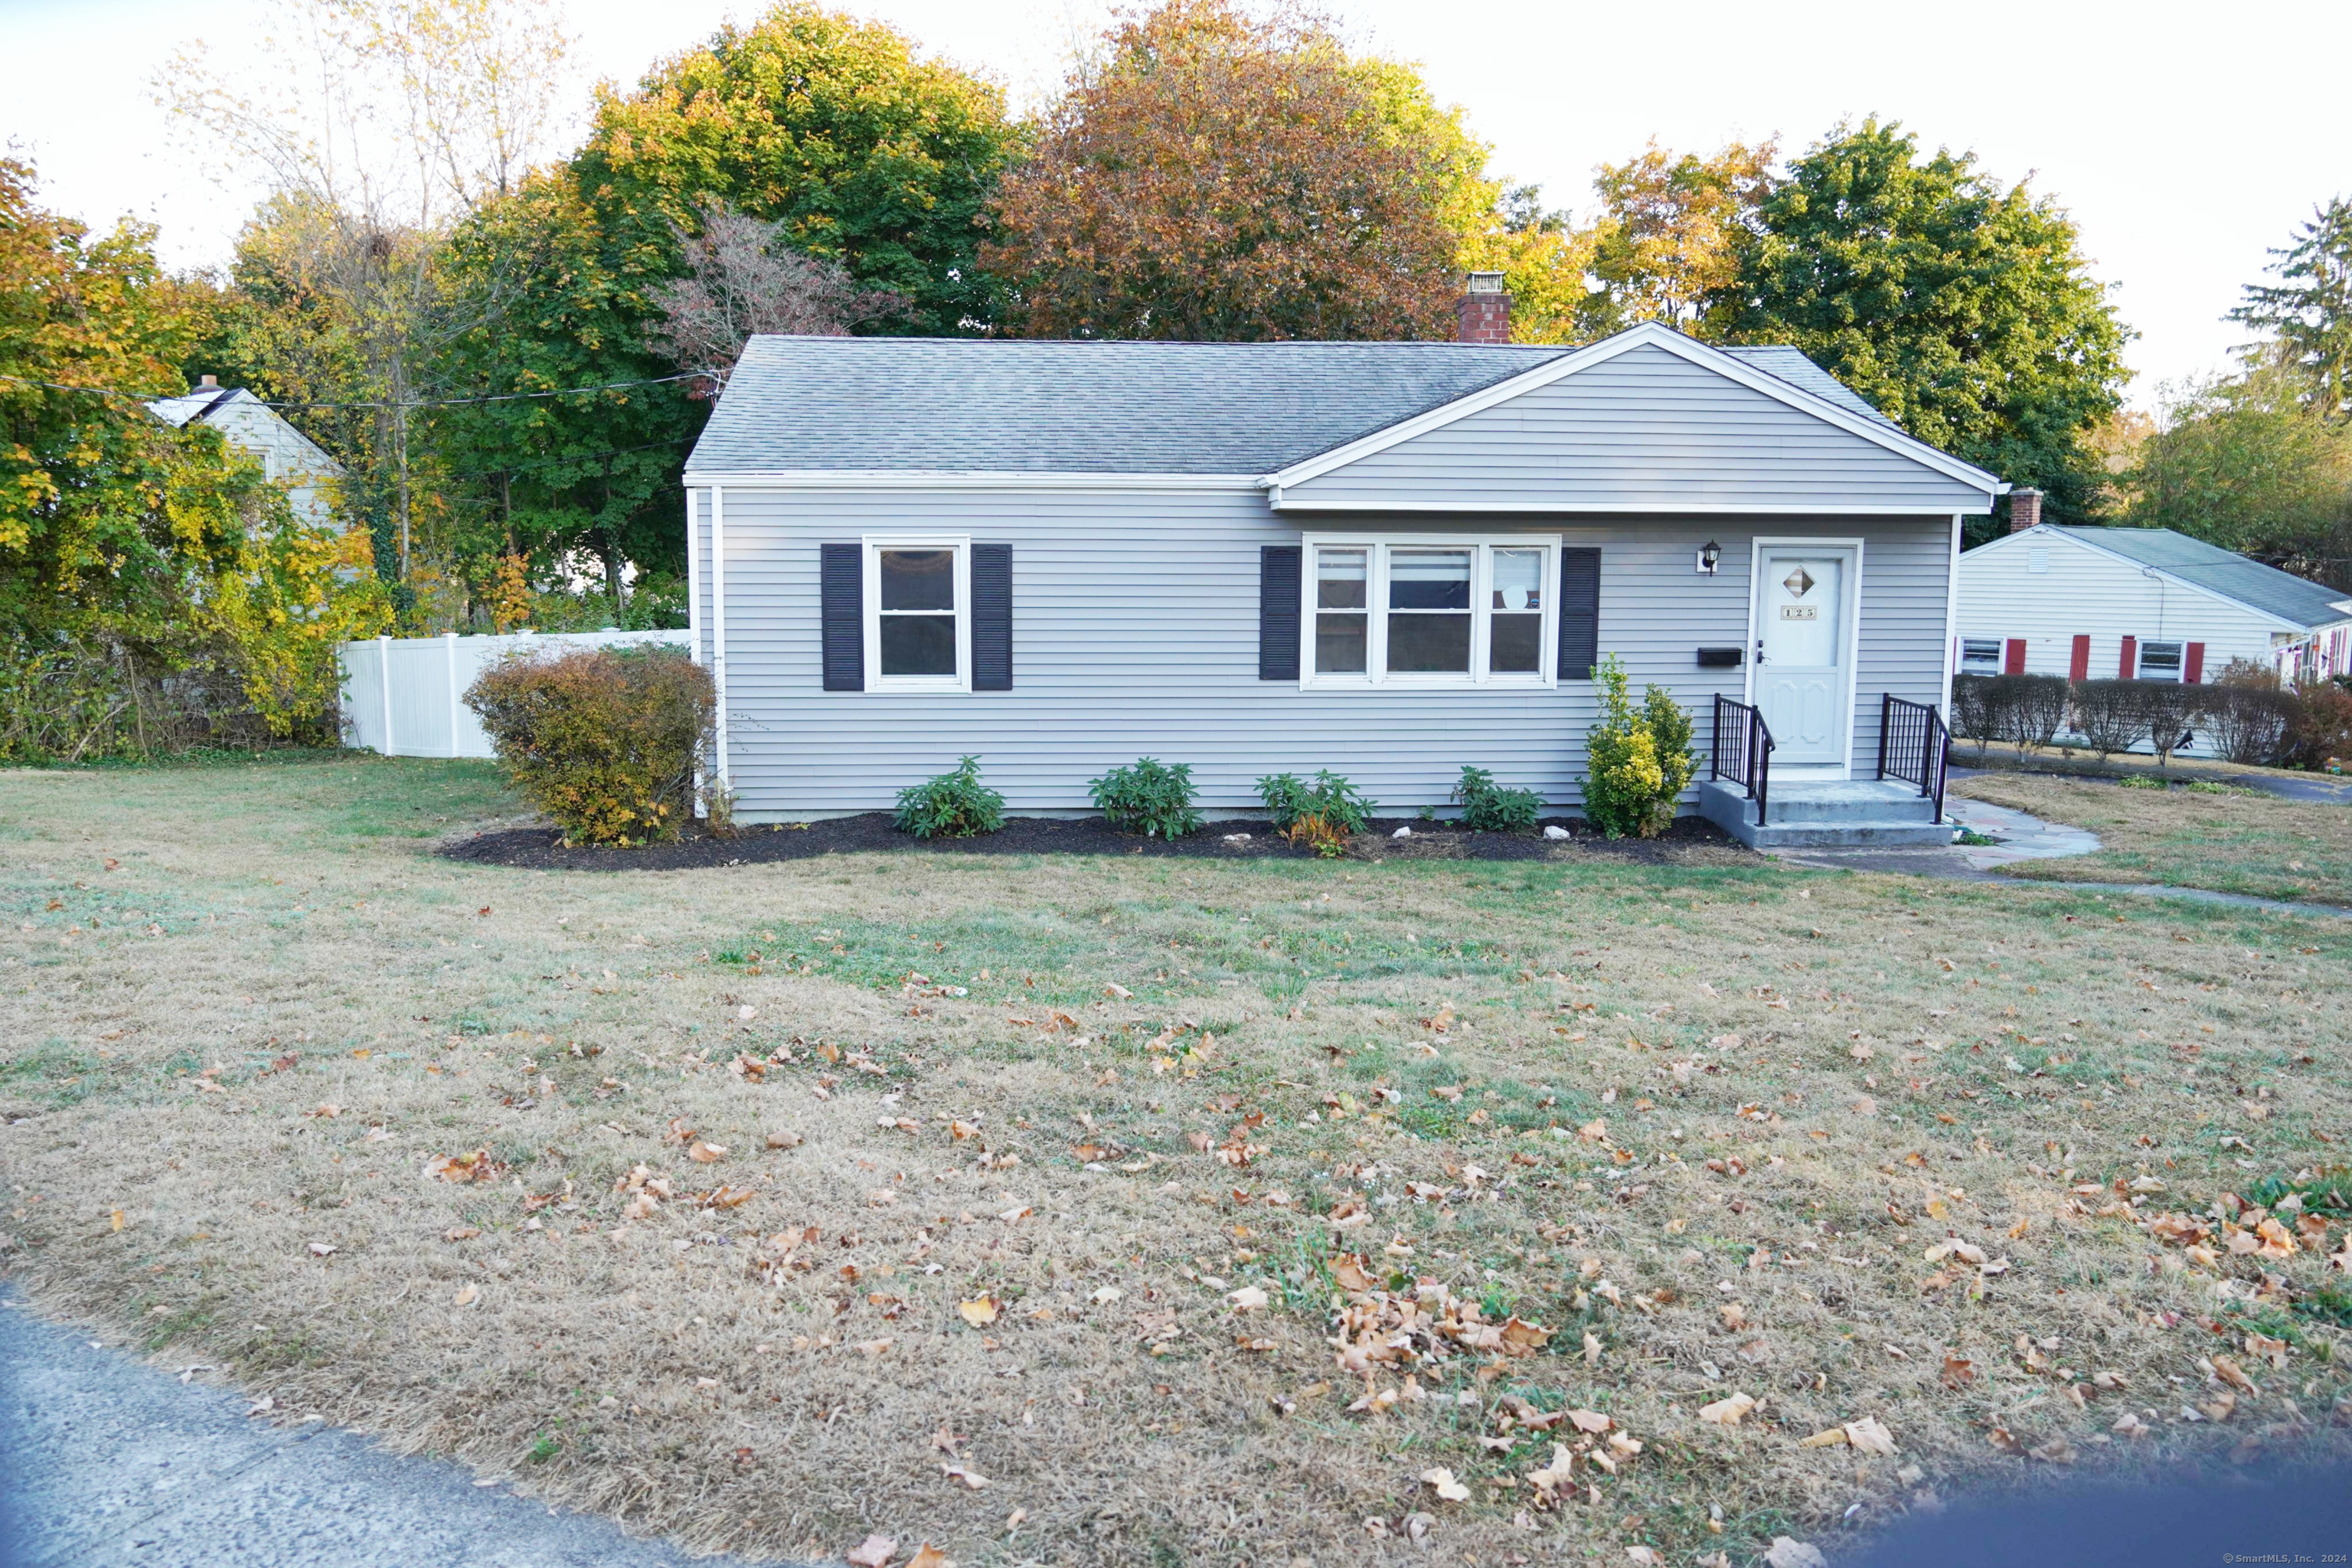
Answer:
[(1137, 1210), (2190, 834)]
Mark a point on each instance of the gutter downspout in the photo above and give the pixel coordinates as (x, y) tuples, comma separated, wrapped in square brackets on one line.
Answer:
[(719, 621)]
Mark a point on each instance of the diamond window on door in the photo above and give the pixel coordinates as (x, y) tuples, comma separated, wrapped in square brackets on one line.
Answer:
[(1798, 582)]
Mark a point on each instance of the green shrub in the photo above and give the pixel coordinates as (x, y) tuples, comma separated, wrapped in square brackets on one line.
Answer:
[(2144, 781), (955, 805), (605, 741), (1637, 761), (1486, 808), (1149, 797), (1330, 797)]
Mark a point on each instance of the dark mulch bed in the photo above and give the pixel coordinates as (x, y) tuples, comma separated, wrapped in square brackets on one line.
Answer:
[(539, 848)]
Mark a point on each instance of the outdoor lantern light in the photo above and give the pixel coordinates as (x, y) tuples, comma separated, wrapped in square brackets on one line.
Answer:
[(1709, 554)]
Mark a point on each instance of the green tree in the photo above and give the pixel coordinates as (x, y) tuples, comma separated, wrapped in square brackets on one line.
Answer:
[(127, 542), (1216, 174), (2308, 312), (1963, 310), (2244, 463), (829, 127)]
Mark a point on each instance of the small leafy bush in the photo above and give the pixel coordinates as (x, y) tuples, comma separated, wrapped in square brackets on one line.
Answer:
[(953, 804), (604, 741), (1149, 797), (1488, 808), (1322, 814), (1638, 761)]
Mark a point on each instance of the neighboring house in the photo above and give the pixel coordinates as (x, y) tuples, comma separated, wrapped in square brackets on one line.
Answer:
[(1386, 559), (288, 457), (2139, 602)]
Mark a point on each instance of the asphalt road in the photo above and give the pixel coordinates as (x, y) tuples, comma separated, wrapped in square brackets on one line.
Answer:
[(107, 1462)]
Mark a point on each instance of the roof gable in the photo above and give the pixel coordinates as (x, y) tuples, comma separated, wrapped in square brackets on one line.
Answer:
[(1647, 420)]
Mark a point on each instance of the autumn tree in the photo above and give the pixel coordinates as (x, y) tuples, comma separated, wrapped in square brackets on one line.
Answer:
[(743, 279), (1217, 175), (2308, 311), (1670, 234), (1961, 307)]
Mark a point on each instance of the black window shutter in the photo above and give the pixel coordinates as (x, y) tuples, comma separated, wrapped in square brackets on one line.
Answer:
[(1579, 612), (1279, 566), (841, 615), (991, 617)]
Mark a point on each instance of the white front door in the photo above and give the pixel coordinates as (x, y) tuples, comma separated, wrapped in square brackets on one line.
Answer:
[(1804, 599)]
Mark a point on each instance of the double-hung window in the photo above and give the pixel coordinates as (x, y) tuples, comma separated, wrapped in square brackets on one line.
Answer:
[(1431, 611), (1980, 656), (919, 614), (2159, 661)]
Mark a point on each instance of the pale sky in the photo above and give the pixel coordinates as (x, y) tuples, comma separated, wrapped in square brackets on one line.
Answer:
[(2185, 139)]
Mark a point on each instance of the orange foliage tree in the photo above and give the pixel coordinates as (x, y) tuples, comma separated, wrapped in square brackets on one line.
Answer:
[(1218, 176)]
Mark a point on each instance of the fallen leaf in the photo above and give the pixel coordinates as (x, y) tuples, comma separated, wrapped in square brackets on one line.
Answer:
[(1786, 1552), (461, 1233), (964, 1474), (875, 1551), (1726, 1412), (703, 1154), (789, 1141), (468, 1295), (1118, 991), (1830, 1437), (1959, 1370), (1590, 1421), (930, 1556), (1247, 1299), (321, 1248), (116, 1220), (2057, 1452), (1870, 1436), (1442, 1480), (978, 1312)]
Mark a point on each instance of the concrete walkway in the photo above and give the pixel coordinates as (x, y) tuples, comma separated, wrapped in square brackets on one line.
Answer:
[(2020, 836), (106, 1461)]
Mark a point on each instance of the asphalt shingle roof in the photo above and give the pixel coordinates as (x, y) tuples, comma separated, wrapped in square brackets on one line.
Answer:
[(962, 405), (2208, 566)]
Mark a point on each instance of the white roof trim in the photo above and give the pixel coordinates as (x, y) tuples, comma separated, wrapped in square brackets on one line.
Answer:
[(1292, 504), (957, 479), (1648, 334), (2183, 584)]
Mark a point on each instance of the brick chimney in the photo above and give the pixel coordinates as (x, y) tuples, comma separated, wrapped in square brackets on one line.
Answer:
[(1483, 314), (2024, 510)]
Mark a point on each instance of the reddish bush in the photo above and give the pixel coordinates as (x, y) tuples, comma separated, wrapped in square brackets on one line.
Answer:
[(605, 741)]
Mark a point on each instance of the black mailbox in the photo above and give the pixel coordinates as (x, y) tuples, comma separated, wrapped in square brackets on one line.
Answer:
[(1719, 658)]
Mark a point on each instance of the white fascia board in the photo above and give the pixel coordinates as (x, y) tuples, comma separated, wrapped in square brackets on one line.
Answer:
[(1287, 503), (1650, 334), (2183, 584), (958, 480)]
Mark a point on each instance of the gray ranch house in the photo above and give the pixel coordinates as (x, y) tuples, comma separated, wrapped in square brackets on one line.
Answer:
[(1387, 559)]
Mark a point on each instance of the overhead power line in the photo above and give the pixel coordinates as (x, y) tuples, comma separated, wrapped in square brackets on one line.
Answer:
[(411, 402)]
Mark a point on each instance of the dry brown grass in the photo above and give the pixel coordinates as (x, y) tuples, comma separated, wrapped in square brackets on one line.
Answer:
[(1914, 1062), (2233, 840)]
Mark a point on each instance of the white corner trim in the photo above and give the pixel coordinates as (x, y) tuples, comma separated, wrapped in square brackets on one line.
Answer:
[(1649, 334), (959, 479), (1952, 621), (718, 622)]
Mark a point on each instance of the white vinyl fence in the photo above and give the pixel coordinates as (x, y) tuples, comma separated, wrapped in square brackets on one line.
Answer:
[(405, 697)]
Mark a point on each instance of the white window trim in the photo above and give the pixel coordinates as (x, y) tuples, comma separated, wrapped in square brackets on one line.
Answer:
[(870, 579), (2179, 664), (1376, 675)]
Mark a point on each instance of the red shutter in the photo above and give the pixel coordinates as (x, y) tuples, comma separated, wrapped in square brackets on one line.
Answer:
[(2079, 667), (2129, 665), (2014, 661), (2192, 669)]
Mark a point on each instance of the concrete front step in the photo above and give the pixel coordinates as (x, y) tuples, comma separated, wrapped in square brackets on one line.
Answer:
[(1822, 813)]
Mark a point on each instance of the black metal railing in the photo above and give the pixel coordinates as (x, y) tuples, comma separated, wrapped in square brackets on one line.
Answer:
[(1743, 751), (1914, 746)]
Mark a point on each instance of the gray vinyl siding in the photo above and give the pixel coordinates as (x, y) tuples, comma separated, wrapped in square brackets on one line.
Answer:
[(1646, 429), (1135, 633)]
